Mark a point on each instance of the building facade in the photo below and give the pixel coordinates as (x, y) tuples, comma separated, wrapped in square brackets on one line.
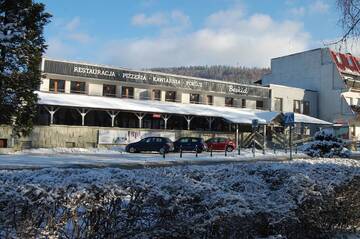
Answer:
[(95, 80), (87, 105), (335, 78)]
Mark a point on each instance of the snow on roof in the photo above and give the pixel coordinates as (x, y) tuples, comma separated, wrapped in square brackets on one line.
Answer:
[(300, 118), (234, 115)]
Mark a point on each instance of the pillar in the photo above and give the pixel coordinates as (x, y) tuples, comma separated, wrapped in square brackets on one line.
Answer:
[(112, 115), (165, 118), (140, 117), (188, 119), (52, 110), (210, 120), (83, 113)]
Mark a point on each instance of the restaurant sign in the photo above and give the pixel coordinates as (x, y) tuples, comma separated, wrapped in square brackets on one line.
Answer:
[(130, 76)]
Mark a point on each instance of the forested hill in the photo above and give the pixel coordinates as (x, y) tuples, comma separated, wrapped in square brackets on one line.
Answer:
[(227, 73)]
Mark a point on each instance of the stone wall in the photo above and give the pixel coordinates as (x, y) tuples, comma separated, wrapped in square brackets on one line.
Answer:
[(82, 136)]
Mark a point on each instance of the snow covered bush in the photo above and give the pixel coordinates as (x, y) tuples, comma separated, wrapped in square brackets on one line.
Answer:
[(297, 199), (326, 145)]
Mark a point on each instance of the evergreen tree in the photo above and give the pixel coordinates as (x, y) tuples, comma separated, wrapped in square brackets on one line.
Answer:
[(21, 47)]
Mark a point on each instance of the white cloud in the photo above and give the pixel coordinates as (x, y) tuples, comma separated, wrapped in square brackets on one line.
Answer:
[(319, 7), (157, 19), (297, 11), (79, 37), (73, 24), (228, 37), (57, 48), (63, 44)]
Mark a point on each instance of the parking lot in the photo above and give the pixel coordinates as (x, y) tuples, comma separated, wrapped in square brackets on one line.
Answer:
[(79, 158)]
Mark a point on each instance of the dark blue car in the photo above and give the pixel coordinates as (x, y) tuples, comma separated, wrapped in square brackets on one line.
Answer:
[(190, 144), (159, 144)]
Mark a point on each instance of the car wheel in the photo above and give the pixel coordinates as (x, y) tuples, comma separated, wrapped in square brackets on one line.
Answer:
[(132, 150), (229, 148)]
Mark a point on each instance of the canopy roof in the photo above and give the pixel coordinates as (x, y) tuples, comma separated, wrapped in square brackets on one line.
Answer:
[(234, 115)]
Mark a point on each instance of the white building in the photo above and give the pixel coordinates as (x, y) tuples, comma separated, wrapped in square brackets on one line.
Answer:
[(335, 78)]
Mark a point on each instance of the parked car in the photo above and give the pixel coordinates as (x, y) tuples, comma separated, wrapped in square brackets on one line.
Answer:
[(190, 144), (220, 143), (159, 144)]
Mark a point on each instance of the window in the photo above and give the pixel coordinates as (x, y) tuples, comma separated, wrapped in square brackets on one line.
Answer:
[(127, 92), (259, 104), (297, 106), (156, 95), (243, 103), (278, 104), (109, 90), (184, 140), (194, 98), (170, 96), (77, 87), (306, 107), (229, 101), (57, 86), (209, 100)]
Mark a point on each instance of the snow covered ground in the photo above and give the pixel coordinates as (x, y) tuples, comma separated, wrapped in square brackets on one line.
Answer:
[(116, 157), (190, 201)]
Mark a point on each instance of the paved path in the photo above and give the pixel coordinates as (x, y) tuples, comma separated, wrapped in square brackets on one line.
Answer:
[(127, 161)]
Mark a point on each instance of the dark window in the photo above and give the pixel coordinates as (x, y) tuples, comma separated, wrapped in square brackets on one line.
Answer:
[(297, 106), (278, 104), (170, 96), (259, 104), (78, 87), (127, 92), (194, 98), (184, 140), (229, 101), (306, 108), (156, 94), (243, 103), (109, 90), (210, 100), (57, 86)]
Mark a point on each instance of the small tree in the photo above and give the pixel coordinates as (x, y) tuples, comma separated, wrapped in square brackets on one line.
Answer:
[(326, 145), (21, 47)]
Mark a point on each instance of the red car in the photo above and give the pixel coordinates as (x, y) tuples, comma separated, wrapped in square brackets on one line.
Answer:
[(220, 143)]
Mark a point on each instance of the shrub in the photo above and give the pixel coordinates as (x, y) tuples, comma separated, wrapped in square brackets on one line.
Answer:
[(326, 145)]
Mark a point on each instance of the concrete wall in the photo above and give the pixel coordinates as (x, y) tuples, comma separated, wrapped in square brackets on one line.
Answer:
[(45, 84), (289, 94), (83, 136), (219, 101), (95, 89), (185, 98), (312, 70)]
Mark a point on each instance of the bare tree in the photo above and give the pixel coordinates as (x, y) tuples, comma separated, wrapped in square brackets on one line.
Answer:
[(349, 19)]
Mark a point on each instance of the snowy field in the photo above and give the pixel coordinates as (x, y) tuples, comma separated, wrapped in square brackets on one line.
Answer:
[(294, 199), (116, 157)]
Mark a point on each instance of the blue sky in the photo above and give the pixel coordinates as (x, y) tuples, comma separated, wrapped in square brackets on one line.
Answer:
[(162, 33)]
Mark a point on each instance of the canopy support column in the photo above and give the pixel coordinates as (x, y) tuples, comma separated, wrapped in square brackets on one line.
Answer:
[(52, 110), (188, 119), (112, 115), (210, 120), (140, 117), (238, 139), (165, 118), (83, 112)]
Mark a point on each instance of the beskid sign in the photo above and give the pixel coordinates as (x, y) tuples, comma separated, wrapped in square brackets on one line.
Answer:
[(170, 81)]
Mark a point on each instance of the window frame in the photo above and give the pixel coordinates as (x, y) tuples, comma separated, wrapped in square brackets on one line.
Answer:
[(56, 89), (77, 91), (109, 94)]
